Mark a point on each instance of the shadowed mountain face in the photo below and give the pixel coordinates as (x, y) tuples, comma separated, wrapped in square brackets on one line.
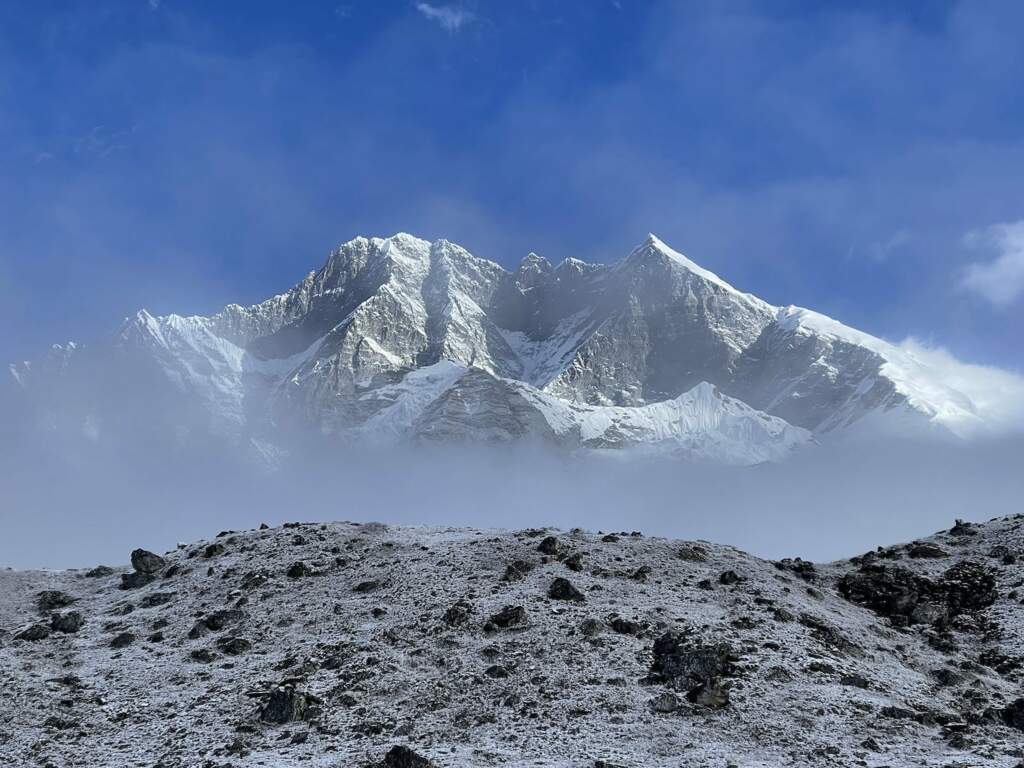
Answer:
[(368, 645), (402, 339)]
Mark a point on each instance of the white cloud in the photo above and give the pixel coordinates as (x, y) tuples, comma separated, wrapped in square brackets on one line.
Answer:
[(448, 16), (997, 394), (1000, 280)]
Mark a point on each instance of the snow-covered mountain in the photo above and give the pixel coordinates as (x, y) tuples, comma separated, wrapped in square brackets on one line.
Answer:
[(401, 339)]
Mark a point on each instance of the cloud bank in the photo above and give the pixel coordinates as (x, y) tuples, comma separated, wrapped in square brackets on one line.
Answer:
[(1000, 280)]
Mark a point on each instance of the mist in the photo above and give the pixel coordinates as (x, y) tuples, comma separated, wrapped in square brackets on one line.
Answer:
[(829, 502)]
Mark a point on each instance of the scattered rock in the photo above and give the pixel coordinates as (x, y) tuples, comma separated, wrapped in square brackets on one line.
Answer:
[(552, 547), (136, 579), (68, 623), (574, 562), (730, 577), (926, 550), (212, 550), (509, 616), (123, 640), (403, 757), (562, 589), (694, 668), (287, 704), (693, 553), (665, 702), (33, 633), (516, 570), (51, 599), (297, 570), (234, 646), (458, 614), (144, 561), (366, 586), (99, 572)]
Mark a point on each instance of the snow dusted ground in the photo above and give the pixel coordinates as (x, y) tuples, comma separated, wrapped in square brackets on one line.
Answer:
[(329, 645)]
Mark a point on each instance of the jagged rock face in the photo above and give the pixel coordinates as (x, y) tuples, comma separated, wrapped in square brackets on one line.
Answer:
[(384, 321), (414, 648)]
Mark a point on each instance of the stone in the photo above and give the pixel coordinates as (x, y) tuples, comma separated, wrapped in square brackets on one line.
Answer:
[(509, 616), (403, 757), (287, 704), (145, 561), (33, 633), (68, 623), (122, 640), (665, 703), (51, 599), (562, 589)]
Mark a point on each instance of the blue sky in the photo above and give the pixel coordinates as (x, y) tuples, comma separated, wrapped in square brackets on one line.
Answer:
[(863, 159)]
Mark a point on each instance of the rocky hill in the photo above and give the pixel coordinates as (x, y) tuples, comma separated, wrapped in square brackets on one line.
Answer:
[(362, 645)]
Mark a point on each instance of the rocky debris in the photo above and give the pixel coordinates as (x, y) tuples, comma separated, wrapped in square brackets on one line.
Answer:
[(552, 547), (367, 586), (625, 627), (296, 570), (287, 704), (458, 614), (144, 561), (52, 599), (802, 568), (99, 572), (68, 623), (1013, 714), (574, 562), (562, 589), (516, 570), (665, 703), (216, 621), (146, 565), (403, 757), (234, 646), (961, 528), (213, 550), (926, 550), (728, 578), (32, 633), (693, 553), (908, 598), (156, 599), (693, 668), (122, 640), (509, 616)]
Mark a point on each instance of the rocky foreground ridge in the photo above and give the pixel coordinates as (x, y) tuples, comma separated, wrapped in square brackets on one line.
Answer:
[(352, 644)]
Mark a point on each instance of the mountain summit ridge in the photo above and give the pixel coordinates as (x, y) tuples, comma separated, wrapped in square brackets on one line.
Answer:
[(537, 347)]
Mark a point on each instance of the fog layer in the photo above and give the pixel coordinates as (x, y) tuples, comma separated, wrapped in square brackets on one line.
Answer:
[(830, 502)]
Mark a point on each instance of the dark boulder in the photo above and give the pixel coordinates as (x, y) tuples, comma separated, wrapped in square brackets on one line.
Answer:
[(122, 640), (552, 547), (136, 579), (99, 572), (68, 623), (458, 614), (562, 589), (33, 633), (287, 704), (403, 757), (516, 570), (694, 668), (51, 599), (1013, 714), (509, 616), (144, 561), (926, 550)]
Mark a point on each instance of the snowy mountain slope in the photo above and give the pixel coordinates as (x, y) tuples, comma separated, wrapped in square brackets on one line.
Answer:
[(322, 356), (450, 402), (332, 644)]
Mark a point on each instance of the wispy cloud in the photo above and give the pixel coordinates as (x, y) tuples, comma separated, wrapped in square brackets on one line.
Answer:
[(996, 394), (450, 17), (1000, 280)]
